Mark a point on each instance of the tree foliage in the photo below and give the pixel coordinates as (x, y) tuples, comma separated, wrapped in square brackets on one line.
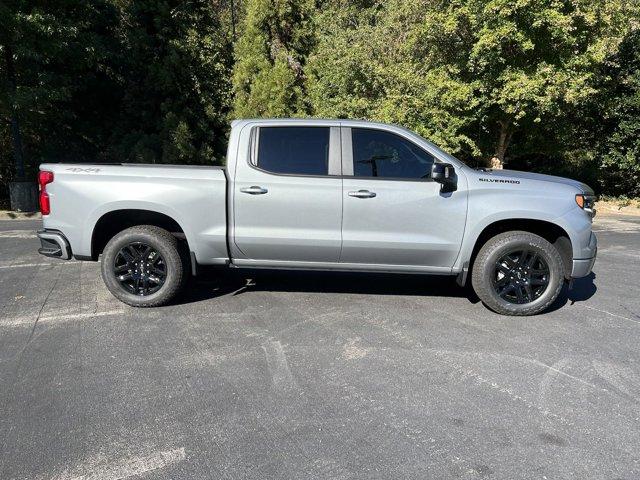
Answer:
[(367, 66), (174, 83), (55, 77), (469, 74), (268, 75), (619, 148), (114, 80), (546, 85)]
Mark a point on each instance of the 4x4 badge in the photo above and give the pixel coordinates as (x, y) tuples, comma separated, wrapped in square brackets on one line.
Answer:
[(83, 170)]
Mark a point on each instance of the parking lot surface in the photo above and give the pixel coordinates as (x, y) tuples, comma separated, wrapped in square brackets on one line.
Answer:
[(316, 375)]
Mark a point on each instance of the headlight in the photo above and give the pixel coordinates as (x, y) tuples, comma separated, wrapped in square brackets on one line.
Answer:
[(586, 202)]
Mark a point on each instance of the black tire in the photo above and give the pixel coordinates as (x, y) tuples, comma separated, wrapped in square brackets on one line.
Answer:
[(171, 265), (493, 273)]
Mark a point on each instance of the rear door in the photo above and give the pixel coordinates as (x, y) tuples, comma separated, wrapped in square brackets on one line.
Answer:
[(393, 213), (288, 194)]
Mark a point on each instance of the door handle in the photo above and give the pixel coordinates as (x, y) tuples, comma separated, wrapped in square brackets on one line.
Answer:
[(362, 194), (254, 190)]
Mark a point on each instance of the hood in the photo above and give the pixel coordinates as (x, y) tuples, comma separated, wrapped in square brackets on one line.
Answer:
[(516, 175)]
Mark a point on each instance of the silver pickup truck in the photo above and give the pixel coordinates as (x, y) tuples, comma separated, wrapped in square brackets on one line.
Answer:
[(327, 195)]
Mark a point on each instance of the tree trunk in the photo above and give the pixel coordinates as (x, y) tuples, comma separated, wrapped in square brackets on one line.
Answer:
[(15, 123), (497, 161), (233, 20)]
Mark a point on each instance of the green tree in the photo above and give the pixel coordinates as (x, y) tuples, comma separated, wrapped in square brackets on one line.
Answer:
[(469, 74), (54, 80), (113, 80), (619, 102), (366, 66), (175, 78), (268, 77)]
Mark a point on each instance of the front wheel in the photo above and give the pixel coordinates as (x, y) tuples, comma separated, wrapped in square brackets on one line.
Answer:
[(142, 266), (518, 273)]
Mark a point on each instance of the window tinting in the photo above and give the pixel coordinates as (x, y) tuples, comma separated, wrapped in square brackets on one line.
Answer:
[(377, 153), (294, 150)]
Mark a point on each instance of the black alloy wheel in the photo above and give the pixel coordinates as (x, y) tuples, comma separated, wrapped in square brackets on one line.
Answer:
[(518, 273), (144, 266), (140, 269), (521, 276)]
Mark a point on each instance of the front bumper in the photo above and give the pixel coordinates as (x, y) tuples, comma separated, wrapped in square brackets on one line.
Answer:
[(54, 244), (583, 266)]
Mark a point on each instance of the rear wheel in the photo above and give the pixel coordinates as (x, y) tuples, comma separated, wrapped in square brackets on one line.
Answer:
[(518, 273), (142, 266)]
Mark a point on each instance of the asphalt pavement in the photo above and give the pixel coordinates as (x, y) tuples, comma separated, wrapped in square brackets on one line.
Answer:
[(277, 375)]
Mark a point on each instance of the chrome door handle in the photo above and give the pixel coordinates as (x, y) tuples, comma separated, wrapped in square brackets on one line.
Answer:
[(362, 194), (254, 190)]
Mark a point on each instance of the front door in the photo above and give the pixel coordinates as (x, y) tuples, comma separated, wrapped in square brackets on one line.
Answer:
[(393, 213), (288, 195)]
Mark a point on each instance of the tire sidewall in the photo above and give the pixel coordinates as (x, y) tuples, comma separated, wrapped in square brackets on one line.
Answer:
[(167, 250), (540, 246)]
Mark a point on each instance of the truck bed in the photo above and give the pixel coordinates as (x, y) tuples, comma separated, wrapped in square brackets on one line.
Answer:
[(84, 195)]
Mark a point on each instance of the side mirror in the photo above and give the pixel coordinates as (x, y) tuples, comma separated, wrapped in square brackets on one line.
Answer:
[(445, 175)]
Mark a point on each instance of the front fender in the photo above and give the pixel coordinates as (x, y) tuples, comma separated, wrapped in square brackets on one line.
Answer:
[(578, 229)]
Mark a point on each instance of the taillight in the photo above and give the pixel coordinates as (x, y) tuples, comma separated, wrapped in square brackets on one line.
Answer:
[(44, 178)]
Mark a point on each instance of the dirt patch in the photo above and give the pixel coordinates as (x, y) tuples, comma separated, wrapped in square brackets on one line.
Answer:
[(618, 207), (9, 215)]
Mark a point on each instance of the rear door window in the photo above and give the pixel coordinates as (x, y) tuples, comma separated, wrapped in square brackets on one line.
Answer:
[(294, 150)]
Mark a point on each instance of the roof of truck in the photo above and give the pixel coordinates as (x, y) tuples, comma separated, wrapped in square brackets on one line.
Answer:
[(313, 121)]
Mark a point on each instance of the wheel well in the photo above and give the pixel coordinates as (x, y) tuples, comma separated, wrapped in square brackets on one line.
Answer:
[(551, 232), (112, 223)]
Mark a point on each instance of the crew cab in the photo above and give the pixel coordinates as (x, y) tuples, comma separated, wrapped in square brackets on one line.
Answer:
[(322, 195)]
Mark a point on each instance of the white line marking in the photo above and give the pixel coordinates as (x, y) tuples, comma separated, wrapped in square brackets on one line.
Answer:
[(278, 366), (18, 234), (609, 313), (621, 377), (97, 468), (565, 374), (26, 320), (21, 265), (531, 361), (545, 405)]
